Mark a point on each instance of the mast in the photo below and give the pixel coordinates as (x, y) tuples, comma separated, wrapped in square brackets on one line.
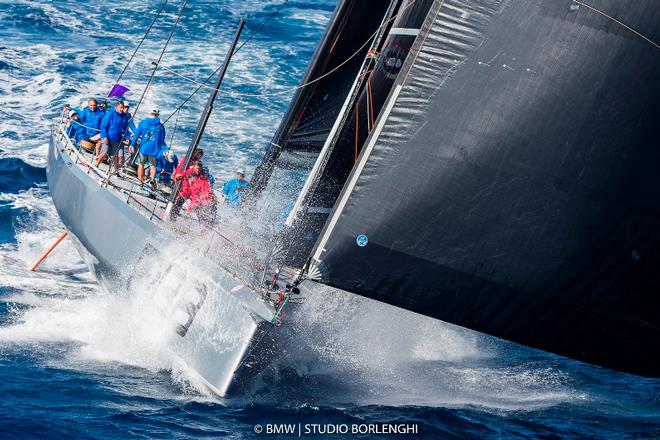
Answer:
[(206, 114)]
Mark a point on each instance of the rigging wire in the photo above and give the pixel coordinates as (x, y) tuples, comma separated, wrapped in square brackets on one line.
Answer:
[(142, 40), (270, 17), (288, 90), (151, 78), (357, 128), (263, 23), (639, 34), (176, 122), (160, 57)]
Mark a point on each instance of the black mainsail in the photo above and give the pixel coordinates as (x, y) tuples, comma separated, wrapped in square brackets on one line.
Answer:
[(510, 182)]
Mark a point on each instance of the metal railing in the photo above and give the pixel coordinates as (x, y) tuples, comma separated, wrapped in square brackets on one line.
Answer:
[(67, 146)]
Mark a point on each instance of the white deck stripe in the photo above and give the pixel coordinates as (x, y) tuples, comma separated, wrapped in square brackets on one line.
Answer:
[(404, 31), (358, 172)]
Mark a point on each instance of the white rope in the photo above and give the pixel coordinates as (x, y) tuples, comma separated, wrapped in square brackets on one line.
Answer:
[(634, 31), (83, 125)]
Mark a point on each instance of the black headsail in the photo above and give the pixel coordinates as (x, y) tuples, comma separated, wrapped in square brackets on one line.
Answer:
[(388, 50), (510, 183), (315, 107)]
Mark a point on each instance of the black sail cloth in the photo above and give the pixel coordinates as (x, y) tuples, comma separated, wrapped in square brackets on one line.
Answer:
[(511, 183), (314, 108)]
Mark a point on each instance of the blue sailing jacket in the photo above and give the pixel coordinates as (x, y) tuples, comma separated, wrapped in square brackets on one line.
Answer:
[(152, 133), (75, 131), (92, 121), (232, 195), (114, 125), (165, 168), (132, 128)]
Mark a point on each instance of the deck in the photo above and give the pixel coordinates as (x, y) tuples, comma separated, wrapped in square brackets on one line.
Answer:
[(123, 184)]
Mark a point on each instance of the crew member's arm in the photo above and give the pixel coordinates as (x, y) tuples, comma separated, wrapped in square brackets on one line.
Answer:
[(138, 133), (105, 124)]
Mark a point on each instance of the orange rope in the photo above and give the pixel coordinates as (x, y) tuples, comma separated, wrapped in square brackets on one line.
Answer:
[(334, 43), (371, 102), (366, 73)]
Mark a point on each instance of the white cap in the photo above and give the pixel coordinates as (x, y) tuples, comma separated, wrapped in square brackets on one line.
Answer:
[(155, 111), (240, 171), (126, 103)]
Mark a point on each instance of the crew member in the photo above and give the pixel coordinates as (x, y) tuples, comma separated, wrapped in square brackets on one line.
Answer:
[(132, 129), (178, 172), (91, 117), (196, 188), (235, 188), (167, 162), (66, 113), (74, 130), (151, 134), (113, 130)]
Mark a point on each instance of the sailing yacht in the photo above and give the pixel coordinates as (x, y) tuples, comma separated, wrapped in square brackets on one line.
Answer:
[(487, 163)]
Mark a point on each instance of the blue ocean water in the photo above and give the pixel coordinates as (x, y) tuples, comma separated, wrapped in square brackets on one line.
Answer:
[(74, 364)]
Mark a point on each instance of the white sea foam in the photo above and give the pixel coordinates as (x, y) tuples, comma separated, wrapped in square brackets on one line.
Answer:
[(386, 355), (310, 17), (133, 327)]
